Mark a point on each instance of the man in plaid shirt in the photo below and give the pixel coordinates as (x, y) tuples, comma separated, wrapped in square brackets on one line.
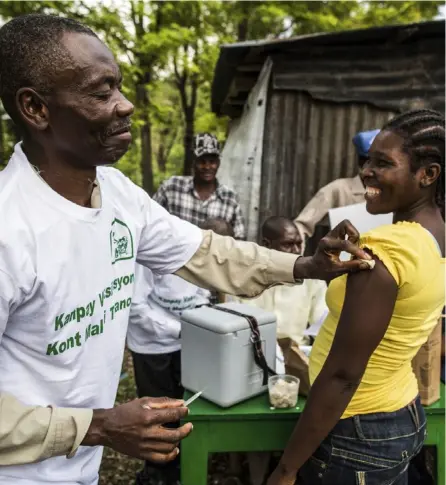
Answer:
[(202, 197)]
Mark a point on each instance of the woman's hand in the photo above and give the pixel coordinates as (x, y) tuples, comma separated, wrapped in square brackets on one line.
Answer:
[(280, 477)]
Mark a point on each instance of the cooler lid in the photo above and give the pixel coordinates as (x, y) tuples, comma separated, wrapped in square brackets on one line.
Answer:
[(222, 322)]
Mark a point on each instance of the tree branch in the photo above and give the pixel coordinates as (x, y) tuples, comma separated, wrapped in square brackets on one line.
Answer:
[(133, 16), (175, 70), (194, 86)]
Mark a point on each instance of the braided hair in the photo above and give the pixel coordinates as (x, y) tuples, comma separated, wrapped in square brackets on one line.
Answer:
[(423, 133)]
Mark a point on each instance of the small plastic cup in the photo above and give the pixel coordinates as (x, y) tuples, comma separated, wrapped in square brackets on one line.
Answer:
[(283, 391)]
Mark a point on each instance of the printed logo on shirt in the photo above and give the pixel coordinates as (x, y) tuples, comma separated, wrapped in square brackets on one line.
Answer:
[(121, 241)]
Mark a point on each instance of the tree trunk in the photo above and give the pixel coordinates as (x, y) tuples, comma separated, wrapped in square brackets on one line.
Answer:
[(162, 155), (188, 140), (242, 29), (143, 103), (243, 24), (145, 62)]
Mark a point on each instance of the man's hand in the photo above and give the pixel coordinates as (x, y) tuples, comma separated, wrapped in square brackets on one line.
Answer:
[(136, 428), (325, 264)]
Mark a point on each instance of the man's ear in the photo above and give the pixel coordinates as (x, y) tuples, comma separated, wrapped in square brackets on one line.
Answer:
[(32, 109)]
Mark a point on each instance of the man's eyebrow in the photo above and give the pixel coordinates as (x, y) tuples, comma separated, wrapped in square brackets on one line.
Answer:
[(109, 78)]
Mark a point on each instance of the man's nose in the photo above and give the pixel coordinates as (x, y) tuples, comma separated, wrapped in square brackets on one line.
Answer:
[(124, 108)]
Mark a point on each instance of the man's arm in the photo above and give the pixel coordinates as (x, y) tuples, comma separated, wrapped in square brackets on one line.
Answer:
[(33, 433), (237, 267), (316, 210), (245, 269), (366, 314)]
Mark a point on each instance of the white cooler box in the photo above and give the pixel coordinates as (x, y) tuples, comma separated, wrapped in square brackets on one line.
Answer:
[(217, 354)]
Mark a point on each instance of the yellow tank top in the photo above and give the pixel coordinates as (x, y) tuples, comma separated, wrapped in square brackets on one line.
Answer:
[(413, 258)]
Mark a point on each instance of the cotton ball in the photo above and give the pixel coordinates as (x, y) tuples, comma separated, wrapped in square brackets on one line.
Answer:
[(370, 262), (283, 394)]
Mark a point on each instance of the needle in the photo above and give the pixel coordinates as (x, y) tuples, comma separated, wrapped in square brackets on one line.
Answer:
[(189, 401), (192, 399)]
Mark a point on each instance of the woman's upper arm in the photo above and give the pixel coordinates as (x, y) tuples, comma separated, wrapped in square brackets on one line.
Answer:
[(368, 307)]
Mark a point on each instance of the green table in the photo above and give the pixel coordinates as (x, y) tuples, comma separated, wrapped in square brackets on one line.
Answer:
[(253, 426)]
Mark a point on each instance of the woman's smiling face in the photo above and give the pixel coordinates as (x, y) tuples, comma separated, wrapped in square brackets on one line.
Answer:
[(391, 185)]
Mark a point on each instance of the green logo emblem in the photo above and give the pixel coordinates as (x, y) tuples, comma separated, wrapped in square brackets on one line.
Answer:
[(121, 241)]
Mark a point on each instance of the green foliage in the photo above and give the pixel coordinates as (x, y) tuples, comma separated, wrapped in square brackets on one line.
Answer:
[(170, 48)]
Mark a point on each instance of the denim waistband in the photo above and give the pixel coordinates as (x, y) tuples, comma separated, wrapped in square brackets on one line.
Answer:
[(383, 426)]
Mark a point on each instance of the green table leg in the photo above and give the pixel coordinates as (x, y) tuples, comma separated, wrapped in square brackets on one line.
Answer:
[(436, 436), (194, 456)]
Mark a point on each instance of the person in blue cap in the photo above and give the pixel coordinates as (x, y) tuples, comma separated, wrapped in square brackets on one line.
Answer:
[(339, 193), (363, 142)]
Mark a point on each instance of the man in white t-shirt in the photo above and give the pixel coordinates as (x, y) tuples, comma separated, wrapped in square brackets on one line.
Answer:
[(153, 336), (72, 230)]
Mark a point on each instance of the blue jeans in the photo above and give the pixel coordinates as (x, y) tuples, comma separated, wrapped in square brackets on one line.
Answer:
[(369, 449)]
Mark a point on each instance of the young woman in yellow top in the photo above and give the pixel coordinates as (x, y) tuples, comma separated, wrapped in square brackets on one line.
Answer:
[(363, 421)]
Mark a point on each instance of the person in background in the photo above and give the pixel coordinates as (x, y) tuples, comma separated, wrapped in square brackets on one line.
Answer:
[(153, 337), (306, 300), (198, 198), (339, 193)]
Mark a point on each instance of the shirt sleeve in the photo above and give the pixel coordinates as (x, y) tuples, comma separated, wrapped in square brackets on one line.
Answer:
[(167, 243), (315, 210), (34, 433), (239, 224), (161, 196), (397, 248), (237, 267)]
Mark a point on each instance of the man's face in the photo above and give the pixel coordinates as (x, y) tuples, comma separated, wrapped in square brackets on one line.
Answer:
[(89, 117), (206, 168), (289, 240)]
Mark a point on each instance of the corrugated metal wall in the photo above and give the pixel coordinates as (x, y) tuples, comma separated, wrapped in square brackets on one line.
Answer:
[(307, 144)]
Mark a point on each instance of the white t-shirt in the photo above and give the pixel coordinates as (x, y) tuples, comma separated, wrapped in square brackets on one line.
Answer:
[(66, 276), (158, 302)]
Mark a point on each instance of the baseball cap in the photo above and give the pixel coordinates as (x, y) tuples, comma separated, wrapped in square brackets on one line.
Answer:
[(206, 144), (363, 141)]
